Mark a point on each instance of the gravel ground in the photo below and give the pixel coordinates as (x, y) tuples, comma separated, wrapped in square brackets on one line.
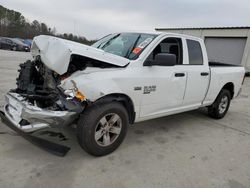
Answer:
[(187, 150)]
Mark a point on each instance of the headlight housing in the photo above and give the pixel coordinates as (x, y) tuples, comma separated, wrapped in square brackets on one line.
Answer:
[(74, 93), (71, 93)]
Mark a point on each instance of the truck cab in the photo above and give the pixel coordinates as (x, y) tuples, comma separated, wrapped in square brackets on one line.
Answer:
[(181, 85)]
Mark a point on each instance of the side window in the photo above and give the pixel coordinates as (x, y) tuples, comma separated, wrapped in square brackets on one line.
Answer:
[(170, 46), (194, 52)]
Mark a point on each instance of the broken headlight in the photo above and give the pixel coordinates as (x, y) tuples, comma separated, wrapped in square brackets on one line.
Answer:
[(71, 93), (74, 93)]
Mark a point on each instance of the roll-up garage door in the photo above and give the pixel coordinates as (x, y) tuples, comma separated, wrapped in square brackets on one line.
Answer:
[(225, 50)]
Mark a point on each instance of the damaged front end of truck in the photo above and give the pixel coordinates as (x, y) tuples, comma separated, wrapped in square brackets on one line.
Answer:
[(41, 99), (38, 102)]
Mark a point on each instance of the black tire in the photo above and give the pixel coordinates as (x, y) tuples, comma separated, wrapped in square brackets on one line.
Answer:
[(215, 111), (90, 119)]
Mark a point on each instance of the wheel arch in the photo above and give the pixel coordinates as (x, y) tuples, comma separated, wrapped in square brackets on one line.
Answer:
[(230, 87), (124, 99)]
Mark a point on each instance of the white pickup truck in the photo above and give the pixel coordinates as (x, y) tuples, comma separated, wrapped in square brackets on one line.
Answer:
[(122, 79)]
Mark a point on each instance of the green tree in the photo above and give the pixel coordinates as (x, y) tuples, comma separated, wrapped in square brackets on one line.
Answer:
[(14, 24)]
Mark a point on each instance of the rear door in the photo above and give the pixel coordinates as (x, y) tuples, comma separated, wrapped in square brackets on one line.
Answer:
[(164, 86), (197, 73)]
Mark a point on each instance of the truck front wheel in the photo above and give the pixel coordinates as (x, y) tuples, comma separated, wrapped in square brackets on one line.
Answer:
[(102, 128), (221, 105)]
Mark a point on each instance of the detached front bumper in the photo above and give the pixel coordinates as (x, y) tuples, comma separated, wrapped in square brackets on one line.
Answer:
[(54, 148), (29, 118), (25, 118)]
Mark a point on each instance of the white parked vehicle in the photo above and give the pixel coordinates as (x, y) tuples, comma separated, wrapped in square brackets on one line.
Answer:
[(122, 79)]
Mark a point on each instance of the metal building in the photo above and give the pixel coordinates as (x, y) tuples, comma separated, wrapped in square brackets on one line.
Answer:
[(224, 44)]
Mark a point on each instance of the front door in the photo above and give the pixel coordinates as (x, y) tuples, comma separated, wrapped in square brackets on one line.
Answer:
[(164, 86)]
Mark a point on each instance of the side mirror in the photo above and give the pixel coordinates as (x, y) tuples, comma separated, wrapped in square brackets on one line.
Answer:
[(162, 59)]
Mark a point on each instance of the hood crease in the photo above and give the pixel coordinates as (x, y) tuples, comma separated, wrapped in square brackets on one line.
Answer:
[(56, 53)]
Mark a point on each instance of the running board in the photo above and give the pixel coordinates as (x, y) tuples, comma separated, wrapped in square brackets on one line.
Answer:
[(51, 147)]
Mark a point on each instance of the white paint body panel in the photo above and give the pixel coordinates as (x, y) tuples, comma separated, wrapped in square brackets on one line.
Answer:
[(221, 76), (172, 95), (197, 85)]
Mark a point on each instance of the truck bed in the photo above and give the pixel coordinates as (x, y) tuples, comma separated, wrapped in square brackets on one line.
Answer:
[(221, 74)]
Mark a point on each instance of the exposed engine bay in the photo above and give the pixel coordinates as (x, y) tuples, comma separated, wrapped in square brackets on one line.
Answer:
[(39, 85)]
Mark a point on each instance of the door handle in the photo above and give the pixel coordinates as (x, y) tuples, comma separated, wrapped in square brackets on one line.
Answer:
[(179, 74), (204, 74)]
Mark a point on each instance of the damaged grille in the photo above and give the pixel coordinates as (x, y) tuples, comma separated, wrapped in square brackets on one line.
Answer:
[(37, 83)]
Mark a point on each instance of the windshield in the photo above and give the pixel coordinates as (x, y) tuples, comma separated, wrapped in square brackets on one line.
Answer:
[(128, 45)]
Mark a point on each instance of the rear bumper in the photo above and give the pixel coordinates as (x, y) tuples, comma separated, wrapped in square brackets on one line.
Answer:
[(29, 118)]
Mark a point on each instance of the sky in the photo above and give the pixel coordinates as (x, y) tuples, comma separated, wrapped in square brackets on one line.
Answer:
[(97, 18)]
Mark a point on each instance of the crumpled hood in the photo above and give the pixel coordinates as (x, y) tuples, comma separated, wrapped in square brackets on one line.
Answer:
[(56, 53)]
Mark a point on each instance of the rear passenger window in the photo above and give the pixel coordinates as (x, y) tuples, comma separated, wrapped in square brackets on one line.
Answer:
[(194, 52)]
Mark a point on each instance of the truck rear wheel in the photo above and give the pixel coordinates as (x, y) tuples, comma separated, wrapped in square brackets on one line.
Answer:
[(221, 105), (102, 128)]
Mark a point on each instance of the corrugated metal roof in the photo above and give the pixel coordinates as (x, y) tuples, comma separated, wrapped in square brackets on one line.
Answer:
[(202, 28)]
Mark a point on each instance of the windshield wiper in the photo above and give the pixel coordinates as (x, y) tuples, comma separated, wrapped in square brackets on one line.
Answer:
[(108, 42), (130, 50)]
